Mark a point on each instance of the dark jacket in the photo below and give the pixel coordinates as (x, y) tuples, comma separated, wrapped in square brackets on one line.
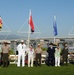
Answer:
[(51, 51), (65, 52)]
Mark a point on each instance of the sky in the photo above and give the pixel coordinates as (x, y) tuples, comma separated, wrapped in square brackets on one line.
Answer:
[(15, 14)]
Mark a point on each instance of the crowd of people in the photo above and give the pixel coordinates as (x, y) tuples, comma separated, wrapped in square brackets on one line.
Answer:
[(23, 51), (54, 53)]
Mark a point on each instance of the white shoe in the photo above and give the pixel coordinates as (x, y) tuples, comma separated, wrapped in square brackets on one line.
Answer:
[(55, 65), (31, 66), (18, 66)]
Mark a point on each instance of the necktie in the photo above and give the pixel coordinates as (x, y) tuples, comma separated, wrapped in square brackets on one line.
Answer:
[(22, 47)]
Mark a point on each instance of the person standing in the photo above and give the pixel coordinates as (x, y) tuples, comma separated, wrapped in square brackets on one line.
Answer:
[(51, 51), (57, 56), (38, 53), (65, 54), (0, 55), (5, 51), (21, 53), (30, 56)]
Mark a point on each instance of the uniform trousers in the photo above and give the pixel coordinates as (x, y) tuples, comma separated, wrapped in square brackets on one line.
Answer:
[(57, 61), (38, 59), (21, 55), (51, 60), (0, 59), (5, 59), (30, 60), (65, 59)]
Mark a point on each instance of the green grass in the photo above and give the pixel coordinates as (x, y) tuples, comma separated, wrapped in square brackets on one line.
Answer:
[(43, 70)]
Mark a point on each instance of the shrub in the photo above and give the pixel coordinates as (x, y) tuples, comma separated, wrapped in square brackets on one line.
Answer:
[(44, 49), (11, 51)]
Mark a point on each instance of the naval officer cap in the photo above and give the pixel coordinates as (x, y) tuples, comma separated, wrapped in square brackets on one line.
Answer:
[(51, 43), (22, 40)]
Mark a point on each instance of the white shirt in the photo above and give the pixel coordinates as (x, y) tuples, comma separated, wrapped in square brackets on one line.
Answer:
[(57, 52), (31, 52), (21, 48)]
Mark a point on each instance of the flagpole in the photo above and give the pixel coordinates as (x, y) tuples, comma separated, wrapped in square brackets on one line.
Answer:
[(28, 36), (29, 32), (54, 40)]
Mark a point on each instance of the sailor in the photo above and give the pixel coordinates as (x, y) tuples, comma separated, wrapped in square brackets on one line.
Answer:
[(21, 53)]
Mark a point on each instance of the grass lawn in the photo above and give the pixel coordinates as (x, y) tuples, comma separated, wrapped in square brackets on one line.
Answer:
[(43, 70)]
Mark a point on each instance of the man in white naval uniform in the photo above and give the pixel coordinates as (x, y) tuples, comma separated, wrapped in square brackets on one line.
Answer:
[(21, 53)]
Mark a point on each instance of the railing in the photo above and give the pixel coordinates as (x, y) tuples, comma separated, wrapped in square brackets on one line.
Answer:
[(13, 59)]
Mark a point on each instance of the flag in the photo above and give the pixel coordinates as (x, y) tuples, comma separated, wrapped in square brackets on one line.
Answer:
[(0, 23), (55, 26), (31, 22)]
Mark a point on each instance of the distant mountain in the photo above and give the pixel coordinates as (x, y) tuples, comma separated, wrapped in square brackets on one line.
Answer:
[(9, 37)]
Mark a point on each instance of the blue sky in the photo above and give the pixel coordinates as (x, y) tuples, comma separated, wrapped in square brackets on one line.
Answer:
[(15, 12)]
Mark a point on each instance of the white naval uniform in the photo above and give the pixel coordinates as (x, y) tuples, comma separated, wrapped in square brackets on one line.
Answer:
[(21, 53), (30, 57), (57, 56)]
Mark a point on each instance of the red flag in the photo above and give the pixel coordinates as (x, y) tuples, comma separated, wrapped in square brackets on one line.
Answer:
[(31, 22), (0, 23)]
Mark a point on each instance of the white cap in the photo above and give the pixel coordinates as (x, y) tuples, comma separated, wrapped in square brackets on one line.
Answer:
[(22, 40), (38, 44)]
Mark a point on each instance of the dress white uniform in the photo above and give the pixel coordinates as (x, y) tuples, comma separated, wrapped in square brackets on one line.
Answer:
[(57, 56), (30, 57), (21, 53)]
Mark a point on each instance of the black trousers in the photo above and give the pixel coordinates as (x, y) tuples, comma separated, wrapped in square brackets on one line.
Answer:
[(38, 59), (51, 60), (65, 59), (5, 59), (0, 59)]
